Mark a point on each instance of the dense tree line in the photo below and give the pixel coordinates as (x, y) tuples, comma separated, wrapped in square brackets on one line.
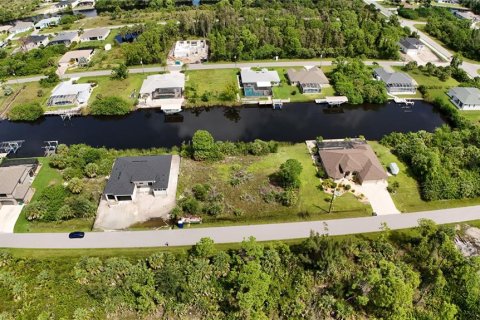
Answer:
[(455, 33), (472, 4), (15, 9), (415, 275)]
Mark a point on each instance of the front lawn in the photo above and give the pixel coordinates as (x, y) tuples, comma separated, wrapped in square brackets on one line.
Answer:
[(407, 198), (246, 198)]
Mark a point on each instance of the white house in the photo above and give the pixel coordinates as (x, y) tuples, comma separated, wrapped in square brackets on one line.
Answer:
[(258, 83), (45, 23), (411, 46), (65, 38), (465, 98), (396, 82), (164, 91), (68, 93), (20, 26), (76, 57), (98, 34)]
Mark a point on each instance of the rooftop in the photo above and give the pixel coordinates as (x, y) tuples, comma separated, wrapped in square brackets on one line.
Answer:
[(21, 25), (95, 33), (76, 54), (48, 21), (127, 170), (394, 77), (36, 38), (65, 36), (167, 80), (11, 177), (308, 75), (466, 95), (68, 89), (411, 43), (263, 76)]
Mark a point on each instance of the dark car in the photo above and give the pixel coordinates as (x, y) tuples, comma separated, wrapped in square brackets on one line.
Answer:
[(76, 235)]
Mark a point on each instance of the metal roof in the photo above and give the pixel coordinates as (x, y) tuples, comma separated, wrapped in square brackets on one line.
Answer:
[(68, 89), (394, 77), (128, 170), (162, 81), (466, 95), (411, 43), (250, 76), (47, 21)]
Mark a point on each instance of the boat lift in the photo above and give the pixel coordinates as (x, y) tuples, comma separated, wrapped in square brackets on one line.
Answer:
[(403, 101), (50, 147), (333, 101), (7, 147)]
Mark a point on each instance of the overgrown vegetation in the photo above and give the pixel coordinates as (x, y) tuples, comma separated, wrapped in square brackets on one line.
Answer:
[(14, 9), (110, 106), (25, 112), (403, 275)]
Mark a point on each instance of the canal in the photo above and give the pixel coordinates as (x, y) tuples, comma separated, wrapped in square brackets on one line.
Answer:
[(296, 122)]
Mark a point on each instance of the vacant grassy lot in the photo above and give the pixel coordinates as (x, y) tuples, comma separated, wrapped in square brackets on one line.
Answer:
[(313, 203), (472, 115), (29, 92), (120, 88), (211, 83), (407, 198)]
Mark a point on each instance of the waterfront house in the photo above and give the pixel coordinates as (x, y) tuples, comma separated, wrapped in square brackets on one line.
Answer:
[(98, 34), (132, 175), (65, 38), (20, 26), (16, 176), (76, 58), (163, 91), (411, 46), (65, 4), (46, 23), (465, 98), (69, 93), (258, 83), (34, 42), (396, 82), (309, 80), (352, 159)]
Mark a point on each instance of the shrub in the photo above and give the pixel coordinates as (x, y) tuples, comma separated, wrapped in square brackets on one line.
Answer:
[(26, 112), (213, 208), (75, 185), (289, 174), (200, 191), (204, 147), (35, 211), (71, 173), (120, 72), (91, 170), (110, 106), (81, 206), (259, 148), (50, 80), (52, 197), (190, 205), (287, 198)]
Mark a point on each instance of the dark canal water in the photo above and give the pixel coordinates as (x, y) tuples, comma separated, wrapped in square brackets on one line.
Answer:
[(152, 128)]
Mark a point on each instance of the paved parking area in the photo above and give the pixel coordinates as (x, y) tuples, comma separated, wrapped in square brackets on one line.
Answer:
[(379, 197), (8, 217)]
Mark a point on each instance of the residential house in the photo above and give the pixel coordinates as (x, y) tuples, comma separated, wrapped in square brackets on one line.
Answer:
[(46, 23), (66, 4), (411, 46), (162, 86), (467, 15), (85, 5), (98, 34), (258, 83), (130, 175), (20, 26), (190, 51), (76, 57), (309, 80), (352, 159), (34, 42), (396, 82), (465, 98), (65, 38), (16, 176), (68, 93)]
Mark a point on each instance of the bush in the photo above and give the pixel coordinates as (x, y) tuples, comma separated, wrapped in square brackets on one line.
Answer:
[(75, 185), (81, 206), (35, 211), (200, 191), (213, 208), (110, 106), (120, 72), (288, 198), (91, 170), (259, 148), (50, 80), (26, 112), (52, 197), (289, 174), (190, 205), (204, 147), (70, 173)]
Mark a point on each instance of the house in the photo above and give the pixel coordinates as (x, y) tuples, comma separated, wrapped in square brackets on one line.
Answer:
[(76, 57), (68, 93), (20, 26), (351, 159), (66, 38), (85, 5), (258, 83), (190, 51), (411, 46), (448, 1), (65, 4), (34, 42), (162, 86), (5, 28), (98, 34), (465, 98), (48, 22), (396, 82), (309, 80), (16, 176), (146, 174), (467, 15)]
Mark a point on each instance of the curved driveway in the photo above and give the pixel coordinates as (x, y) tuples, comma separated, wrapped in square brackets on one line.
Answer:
[(265, 232)]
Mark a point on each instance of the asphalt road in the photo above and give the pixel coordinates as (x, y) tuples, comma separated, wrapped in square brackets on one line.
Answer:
[(265, 232)]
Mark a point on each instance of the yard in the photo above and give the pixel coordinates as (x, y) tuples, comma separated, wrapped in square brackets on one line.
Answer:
[(407, 198), (246, 198), (30, 92), (208, 85)]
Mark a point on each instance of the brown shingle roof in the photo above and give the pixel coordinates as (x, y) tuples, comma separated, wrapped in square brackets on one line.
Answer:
[(358, 158), (312, 75)]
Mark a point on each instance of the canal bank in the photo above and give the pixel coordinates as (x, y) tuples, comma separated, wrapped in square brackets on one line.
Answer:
[(296, 122)]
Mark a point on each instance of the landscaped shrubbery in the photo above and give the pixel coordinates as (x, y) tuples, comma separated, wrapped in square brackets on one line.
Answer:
[(110, 106), (25, 112)]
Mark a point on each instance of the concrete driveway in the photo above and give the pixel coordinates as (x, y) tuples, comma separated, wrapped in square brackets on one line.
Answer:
[(8, 217), (379, 197), (145, 206)]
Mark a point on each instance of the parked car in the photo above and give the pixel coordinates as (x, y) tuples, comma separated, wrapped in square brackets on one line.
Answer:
[(76, 235)]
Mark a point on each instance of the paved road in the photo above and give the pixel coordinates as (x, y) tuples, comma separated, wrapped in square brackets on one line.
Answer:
[(266, 232)]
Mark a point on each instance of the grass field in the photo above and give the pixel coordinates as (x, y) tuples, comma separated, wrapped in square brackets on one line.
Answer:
[(313, 203), (29, 93), (407, 198)]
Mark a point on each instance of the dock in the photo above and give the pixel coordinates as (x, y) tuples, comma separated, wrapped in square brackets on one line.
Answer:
[(7, 147), (332, 101), (403, 101)]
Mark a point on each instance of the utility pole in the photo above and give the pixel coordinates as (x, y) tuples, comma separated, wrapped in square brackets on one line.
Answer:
[(334, 195), (141, 62)]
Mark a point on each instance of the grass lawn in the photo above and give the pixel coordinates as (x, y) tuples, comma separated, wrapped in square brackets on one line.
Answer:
[(210, 81), (472, 115), (426, 80), (120, 88), (313, 203), (407, 198), (28, 94)]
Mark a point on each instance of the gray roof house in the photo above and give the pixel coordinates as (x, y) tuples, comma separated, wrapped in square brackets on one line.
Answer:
[(396, 82), (16, 182), (309, 80), (465, 98), (65, 38), (258, 83), (34, 41), (411, 46), (150, 173), (20, 26), (48, 22), (98, 34)]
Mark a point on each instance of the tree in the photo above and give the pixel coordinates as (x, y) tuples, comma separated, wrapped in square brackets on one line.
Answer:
[(204, 147), (75, 185), (120, 72), (456, 61), (51, 79), (110, 106), (204, 248), (25, 112), (91, 170), (289, 174)]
